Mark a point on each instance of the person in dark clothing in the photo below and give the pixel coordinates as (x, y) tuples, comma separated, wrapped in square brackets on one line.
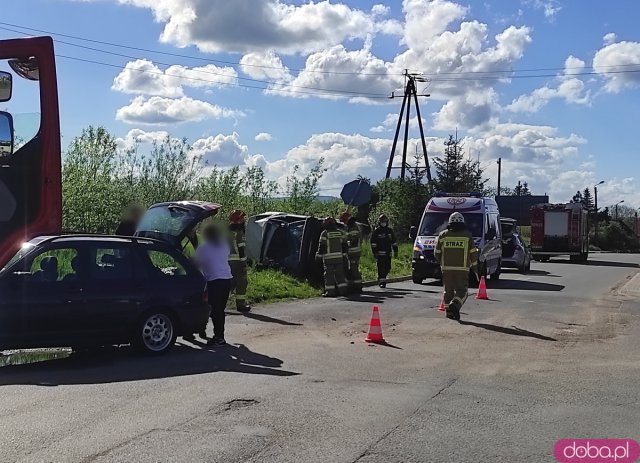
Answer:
[(130, 220), (383, 242), (354, 242), (238, 258), (212, 257)]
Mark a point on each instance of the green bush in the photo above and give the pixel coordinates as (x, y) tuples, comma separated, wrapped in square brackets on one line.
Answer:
[(613, 236)]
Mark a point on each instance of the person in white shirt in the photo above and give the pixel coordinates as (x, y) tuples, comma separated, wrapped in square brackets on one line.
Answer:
[(212, 257)]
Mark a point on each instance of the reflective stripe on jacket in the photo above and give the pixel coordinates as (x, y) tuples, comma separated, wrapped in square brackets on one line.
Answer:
[(332, 245), (383, 241), (455, 250), (354, 238), (238, 245)]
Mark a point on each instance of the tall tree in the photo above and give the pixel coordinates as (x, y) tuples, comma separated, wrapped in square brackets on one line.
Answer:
[(517, 191), (455, 173), (525, 189), (577, 198), (587, 199)]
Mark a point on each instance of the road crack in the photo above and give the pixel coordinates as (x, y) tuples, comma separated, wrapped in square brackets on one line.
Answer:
[(368, 450)]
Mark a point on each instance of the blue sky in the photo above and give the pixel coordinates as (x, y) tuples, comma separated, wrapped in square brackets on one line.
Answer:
[(567, 128)]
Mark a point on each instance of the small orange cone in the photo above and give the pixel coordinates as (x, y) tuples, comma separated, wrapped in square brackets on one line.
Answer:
[(375, 329), (482, 289), (442, 308)]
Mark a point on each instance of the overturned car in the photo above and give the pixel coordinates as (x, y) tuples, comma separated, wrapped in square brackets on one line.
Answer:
[(285, 241)]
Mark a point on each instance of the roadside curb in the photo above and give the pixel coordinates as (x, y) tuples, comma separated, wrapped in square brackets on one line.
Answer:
[(368, 284)]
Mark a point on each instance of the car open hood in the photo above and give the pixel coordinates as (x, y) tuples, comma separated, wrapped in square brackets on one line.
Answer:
[(171, 222)]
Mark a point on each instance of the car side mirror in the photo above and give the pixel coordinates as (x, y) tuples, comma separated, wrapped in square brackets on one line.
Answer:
[(6, 86), (413, 232), (6, 133)]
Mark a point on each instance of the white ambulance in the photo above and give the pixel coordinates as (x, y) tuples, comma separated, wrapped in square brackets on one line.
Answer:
[(483, 221)]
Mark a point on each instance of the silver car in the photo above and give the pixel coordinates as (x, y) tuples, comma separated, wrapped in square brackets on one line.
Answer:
[(515, 252)]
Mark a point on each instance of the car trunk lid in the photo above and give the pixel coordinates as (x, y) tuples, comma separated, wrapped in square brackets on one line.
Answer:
[(171, 222)]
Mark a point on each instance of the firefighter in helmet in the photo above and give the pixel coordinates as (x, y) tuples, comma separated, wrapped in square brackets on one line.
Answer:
[(238, 258), (456, 253), (383, 242), (332, 250), (354, 241)]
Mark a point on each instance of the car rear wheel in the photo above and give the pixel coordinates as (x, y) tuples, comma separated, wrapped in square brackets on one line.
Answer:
[(417, 279), (156, 333)]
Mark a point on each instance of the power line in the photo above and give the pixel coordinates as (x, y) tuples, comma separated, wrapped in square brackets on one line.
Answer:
[(286, 86), (283, 84), (178, 55), (236, 63), (214, 82)]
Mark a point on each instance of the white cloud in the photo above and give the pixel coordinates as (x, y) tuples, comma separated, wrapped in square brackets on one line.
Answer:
[(390, 122), (535, 154), (143, 77), (617, 58), (609, 38), (380, 9), (157, 111), (537, 145), (569, 88), (139, 136), (472, 111), (265, 65), (346, 157), (221, 150), (242, 26), (425, 20), (264, 136), (550, 8)]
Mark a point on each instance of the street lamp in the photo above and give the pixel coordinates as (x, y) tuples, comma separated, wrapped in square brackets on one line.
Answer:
[(595, 205), (619, 202)]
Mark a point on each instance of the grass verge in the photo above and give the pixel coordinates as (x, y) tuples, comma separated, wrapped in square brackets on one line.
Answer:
[(272, 285), (269, 285)]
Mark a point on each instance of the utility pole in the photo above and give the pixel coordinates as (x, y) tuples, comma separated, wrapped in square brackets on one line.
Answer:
[(619, 202), (595, 205), (499, 176), (410, 93)]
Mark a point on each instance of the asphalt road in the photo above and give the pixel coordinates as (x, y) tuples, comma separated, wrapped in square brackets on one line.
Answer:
[(554, 354)]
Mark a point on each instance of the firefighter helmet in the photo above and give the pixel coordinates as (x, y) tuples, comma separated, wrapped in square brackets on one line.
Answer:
[(456, 217), (237, 216), (344, 217), (383, 218), (328, 221)]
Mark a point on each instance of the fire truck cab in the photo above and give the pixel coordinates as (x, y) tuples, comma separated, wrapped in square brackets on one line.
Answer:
[(30, 160)]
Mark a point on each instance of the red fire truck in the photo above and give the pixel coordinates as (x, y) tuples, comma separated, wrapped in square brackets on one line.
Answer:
[(30, 163), (560, 229)]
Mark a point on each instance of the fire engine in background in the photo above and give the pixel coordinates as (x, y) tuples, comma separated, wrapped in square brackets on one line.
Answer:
[(560, 230)]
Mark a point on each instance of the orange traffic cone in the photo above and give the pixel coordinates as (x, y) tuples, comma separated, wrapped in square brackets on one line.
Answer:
[(442, 308), (482, 289), (375, 329)]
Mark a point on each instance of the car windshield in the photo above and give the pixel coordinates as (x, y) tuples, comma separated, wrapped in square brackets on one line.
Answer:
[(433, 223), (26, 249)]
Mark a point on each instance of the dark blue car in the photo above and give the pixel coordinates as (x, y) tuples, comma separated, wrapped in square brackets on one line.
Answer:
[(88, 290)]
